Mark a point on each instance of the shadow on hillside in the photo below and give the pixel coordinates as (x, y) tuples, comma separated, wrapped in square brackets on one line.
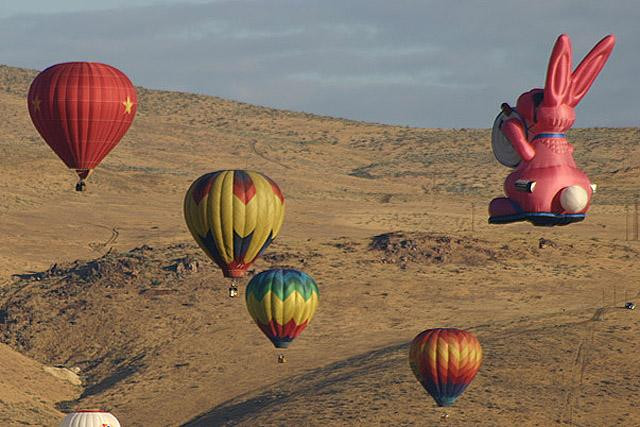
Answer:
[(120, 375), (321, 382), (309, 384)]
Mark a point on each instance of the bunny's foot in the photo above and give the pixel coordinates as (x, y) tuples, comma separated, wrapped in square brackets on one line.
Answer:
[(503, 210), (549, 219)]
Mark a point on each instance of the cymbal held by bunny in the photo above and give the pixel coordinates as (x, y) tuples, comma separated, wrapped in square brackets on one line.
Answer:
[(546, 187)]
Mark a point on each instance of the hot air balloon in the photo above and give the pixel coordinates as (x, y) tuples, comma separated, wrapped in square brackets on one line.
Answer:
[(282, 303), (234, 215), (90, 418), (445, 361), (82, 110), (546, 188)]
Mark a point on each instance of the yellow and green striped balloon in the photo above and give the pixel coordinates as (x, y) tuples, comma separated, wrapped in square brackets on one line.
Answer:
[(234, 215), (282, 303)]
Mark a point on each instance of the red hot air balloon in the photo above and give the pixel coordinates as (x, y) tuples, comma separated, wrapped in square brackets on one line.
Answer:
[(82, 110)]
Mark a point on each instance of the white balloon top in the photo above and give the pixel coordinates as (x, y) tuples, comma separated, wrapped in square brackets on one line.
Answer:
[(90, 418)]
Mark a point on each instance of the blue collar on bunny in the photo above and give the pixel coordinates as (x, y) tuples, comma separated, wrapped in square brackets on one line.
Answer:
[(549, 135)]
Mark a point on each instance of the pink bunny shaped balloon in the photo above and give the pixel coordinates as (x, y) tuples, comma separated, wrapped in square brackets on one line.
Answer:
[(546, 187)]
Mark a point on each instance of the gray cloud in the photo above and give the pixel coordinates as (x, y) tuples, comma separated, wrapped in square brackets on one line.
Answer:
[(419, 63)]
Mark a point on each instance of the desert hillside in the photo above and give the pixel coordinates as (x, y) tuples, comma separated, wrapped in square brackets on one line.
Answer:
[(109, 284), (31, 390)]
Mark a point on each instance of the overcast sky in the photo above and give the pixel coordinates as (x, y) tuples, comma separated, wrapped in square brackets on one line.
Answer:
[(426, 63)]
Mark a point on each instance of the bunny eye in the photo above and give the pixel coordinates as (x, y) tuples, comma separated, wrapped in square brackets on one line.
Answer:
[(537, 99)]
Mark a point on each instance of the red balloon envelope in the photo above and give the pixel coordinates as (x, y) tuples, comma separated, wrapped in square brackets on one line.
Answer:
[(82, 110)]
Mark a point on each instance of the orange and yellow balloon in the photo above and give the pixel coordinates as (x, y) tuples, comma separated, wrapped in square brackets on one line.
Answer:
[(234, 215), (445, 361)]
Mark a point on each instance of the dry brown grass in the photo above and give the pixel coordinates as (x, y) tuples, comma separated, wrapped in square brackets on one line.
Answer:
[(161, 344)]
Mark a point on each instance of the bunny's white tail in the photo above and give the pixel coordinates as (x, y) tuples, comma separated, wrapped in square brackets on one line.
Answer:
[(574, 199)]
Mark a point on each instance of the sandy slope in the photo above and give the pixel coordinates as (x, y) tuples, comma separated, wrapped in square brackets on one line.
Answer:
[(28, 394), (161, 348)]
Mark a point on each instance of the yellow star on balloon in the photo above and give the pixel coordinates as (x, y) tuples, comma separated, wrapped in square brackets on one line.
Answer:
[(127, 105), (36, 104)]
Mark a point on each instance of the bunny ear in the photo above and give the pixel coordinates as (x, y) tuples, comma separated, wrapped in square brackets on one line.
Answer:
[(589, 69), (558, 84)]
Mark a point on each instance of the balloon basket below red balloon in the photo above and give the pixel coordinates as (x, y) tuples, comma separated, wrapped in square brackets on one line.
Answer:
[(81, 186)]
